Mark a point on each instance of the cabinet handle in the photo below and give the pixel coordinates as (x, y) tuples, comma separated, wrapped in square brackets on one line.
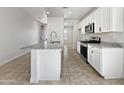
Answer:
[(91, 51), (100, 29)]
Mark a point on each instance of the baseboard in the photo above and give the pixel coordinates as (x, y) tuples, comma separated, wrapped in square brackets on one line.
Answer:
[(14, 57)]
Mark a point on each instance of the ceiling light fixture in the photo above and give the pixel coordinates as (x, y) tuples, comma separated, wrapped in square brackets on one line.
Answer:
[(65, 24), (69, 12), (47, 12)]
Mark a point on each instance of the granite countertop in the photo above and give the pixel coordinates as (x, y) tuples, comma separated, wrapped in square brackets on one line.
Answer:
[(44, 45), (107, 45)]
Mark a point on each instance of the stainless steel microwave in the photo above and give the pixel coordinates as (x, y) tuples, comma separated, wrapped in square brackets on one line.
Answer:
[(89, 28)]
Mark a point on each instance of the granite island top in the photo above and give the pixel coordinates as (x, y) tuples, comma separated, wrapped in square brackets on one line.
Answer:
[(44, 45)]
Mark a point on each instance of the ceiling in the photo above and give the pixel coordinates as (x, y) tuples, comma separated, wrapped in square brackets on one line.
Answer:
[(70, 22), (76, 12), (35, 12), (70, 14)]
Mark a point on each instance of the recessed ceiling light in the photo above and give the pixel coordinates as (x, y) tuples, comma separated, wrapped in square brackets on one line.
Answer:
[(47, 12), (69, 12), (65, 16), (65, 31), (65, 24)]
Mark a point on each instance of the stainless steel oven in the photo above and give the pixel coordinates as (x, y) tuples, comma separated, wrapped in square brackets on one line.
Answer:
[(83, 50), (84, 46), (89, 28)]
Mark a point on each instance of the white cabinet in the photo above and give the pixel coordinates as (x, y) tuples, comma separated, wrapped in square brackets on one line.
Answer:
[(117, 19), (84, 23), (44, 68), (106, 61), (79, 25), (112, 19), (78, 47), (97, 20), (111, 63), (105, 19), (94, 57), (90, 55)]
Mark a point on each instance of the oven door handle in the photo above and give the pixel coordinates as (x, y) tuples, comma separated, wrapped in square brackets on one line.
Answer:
[(83, 44)]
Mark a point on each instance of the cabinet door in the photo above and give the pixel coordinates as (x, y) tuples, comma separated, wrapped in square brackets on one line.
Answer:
[(83, 27), (94, 57), (78, 47), (91, 58), (79, 25), (97, 20), (91, 18), (96, 60), (117, 19), (90, 55), (105, 19)]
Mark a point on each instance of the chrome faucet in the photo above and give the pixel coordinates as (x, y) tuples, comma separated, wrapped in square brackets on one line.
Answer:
[(52, 34)]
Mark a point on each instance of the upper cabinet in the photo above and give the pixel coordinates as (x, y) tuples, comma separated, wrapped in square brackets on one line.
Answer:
[(97, 20), (117, 19), (84, 22), (106, 19), (112, 19)]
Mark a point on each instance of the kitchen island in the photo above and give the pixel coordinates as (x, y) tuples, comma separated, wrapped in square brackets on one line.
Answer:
[(46, 61)]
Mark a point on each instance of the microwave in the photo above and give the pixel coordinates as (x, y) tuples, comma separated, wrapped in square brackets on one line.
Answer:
[(89, 28)]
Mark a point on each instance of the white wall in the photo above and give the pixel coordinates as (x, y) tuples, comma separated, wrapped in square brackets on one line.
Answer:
[(55, 24), (17, 30)]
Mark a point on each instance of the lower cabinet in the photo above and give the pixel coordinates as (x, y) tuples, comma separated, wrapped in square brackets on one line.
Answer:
[(90, 55), (78, 47), (106, 61), (94, 57)]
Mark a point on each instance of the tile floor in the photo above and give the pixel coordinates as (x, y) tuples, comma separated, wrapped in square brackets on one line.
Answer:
[(74, 72)]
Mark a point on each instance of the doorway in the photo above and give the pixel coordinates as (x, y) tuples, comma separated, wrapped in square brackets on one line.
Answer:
[(68, 36)]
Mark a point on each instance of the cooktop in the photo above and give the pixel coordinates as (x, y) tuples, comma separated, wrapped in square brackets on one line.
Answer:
[(90, 41)]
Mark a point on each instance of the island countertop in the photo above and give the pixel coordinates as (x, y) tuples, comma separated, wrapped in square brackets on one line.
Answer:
[(44, 45)]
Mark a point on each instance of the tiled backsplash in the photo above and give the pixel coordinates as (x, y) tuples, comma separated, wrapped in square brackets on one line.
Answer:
[(106, 37)]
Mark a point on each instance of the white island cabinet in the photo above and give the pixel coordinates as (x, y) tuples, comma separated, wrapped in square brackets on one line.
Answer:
[(46, 61), (45, 65)]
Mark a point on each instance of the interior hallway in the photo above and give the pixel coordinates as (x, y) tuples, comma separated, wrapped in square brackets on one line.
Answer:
[(74, 72)]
